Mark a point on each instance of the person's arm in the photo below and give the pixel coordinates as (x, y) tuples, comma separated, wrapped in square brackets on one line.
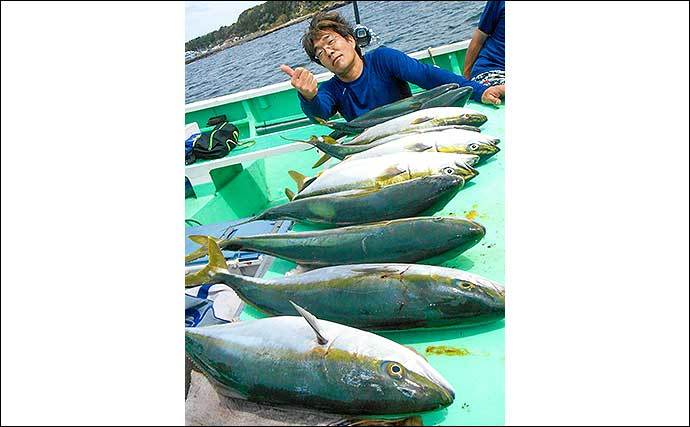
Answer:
[(487, 25), (314, 103), (427, 77), (478, 39), (321, 106)]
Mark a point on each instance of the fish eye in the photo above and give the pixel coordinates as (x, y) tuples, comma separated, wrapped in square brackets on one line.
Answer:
[(474, 146), (466, 286), (448, 171), (395, 370)]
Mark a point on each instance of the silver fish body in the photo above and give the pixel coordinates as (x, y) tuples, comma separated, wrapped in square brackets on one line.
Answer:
[(377, 296), (442, 140), (401, 240), (279, 361), (421, 119), (373, 173)]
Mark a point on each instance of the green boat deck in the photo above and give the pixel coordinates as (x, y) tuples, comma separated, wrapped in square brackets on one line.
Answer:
[(475, 363)]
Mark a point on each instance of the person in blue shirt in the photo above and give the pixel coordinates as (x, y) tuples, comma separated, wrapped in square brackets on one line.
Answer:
[(485, 58), (364, 82)]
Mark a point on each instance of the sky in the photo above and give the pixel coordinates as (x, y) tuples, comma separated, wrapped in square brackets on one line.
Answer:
[(202, 17)]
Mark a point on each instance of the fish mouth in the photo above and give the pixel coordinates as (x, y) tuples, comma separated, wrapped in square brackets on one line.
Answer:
[(466, 171), (474, 119), (478, 230), (446, 393), (491, 149), (429, 388), (448, 396)]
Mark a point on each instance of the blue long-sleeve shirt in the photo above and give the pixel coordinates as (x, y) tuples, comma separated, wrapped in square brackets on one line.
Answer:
[(492, 55), (383, 80)]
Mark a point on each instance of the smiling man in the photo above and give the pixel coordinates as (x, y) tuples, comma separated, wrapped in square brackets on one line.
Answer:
[(364, 82)]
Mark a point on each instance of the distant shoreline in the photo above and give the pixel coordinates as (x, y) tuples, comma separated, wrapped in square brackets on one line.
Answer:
[(258, 34)]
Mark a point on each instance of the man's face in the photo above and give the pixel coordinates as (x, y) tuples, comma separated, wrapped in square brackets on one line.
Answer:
[(334, 51)]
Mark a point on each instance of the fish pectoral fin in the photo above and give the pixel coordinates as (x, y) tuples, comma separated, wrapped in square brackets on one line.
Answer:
[(389, 177), (419, 147), (313, 322), (323, 159), (392, 171), (421, 120)]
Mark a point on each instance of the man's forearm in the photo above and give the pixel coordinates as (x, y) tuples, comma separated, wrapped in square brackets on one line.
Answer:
[(478, 39), (319, 106)]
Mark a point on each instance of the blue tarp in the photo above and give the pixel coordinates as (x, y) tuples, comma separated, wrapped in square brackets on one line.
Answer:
[(226, 229)]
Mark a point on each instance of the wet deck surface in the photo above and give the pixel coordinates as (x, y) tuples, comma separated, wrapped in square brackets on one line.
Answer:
[(474, 362)]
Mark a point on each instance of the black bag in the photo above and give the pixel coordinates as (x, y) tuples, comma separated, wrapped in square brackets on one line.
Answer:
[(217, 143)]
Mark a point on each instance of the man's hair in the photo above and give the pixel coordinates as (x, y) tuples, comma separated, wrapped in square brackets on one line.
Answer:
[(326, 21)]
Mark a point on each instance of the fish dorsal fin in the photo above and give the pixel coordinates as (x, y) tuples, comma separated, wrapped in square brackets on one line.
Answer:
[(216, 264), (298, 178), (290, 195), (321, 160), (420, 120), (313, 322)]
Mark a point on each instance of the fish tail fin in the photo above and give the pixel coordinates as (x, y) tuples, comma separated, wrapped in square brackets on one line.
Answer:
[(298, 178), (199, 252), (216, 264)]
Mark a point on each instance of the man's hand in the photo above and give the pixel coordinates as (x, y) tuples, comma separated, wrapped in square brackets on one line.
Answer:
[(494, 94), (302, 80)]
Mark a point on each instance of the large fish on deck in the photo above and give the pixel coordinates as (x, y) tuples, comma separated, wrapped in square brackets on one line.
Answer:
[(404, 240), (368, 296), (444, 139), (400, 200), (448, 95), (316, 364), (421, 119), (370, 174)]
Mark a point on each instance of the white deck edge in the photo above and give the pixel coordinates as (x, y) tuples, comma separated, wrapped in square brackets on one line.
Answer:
[(200, 173)]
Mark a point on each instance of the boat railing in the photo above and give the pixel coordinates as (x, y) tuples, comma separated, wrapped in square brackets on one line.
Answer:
[(274, 108), (252, 116)]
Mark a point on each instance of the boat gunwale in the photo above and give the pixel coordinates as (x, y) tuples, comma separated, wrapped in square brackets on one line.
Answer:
[(285, 86)]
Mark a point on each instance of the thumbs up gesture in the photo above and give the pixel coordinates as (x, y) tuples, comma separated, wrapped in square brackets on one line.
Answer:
[(302, 80)]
